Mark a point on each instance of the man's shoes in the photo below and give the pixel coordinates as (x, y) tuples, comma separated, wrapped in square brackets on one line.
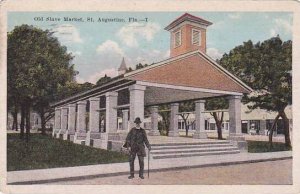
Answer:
[(131, 177), (141, 176)]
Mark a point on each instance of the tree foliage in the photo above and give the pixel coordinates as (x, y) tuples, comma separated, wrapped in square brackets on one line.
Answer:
[(266, 67), (103, 80), (38, 67)]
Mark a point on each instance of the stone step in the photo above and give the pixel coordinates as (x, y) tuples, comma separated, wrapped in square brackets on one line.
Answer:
[(193, 150), (154, 147), (190, 143), (181, 155)]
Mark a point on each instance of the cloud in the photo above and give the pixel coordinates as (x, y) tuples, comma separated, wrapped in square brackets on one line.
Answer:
[(130, 34), (78, 53), (110, 46), (112, 72), (80, 80), (67, 33), (235, 16), (218, 25), (281, 26), (214, 53), (284, 24), (147, 56)]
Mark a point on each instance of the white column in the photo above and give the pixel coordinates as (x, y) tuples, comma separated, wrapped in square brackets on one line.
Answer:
[(173, 130), (56, 121), (81, 111), (94, 114), (125, 120), (57, 118), (199, 120), (80, 134), (64, 119), (235, 128), (71, 118), (154, 121), (93, 132), (137, 103), (69, 135), (111, 112), (235, 115)]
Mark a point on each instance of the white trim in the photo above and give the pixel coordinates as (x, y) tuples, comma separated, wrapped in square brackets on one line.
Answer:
[(98, 94), (192, 38), (174, 40), (187, 88), (188, 22)]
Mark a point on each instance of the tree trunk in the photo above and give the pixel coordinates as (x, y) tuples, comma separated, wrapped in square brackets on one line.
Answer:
[(43, 122), (27, 122), (186, 128), (218, 124), (15, 120), (22, 124), (271, 132), (286, 129)]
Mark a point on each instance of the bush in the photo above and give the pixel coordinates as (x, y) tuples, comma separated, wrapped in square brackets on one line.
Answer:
[(263, 146)]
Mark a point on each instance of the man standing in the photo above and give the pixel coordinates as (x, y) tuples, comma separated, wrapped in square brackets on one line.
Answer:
[(136, 140)]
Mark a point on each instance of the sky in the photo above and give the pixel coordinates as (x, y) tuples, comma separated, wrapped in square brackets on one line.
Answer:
[(99, 44)]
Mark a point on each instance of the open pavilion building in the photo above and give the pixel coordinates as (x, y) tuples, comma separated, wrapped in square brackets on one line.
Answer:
[(188, 75)]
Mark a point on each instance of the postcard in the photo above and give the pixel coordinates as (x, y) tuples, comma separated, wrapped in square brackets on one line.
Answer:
[(149, 96)]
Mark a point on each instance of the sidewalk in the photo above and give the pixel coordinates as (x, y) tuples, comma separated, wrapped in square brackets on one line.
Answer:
[(103, 170)]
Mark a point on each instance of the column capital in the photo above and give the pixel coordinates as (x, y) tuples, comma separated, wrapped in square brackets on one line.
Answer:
[(71, 105), (57, 108), (97, 98), (125, 110), (81, 103), (64, 107), (175, 104), (153, 109), (111, 94), (137, 87), (234, 97), (200, 101)]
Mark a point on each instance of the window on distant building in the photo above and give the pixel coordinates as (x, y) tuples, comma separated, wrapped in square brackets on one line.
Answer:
[(212, 126), (177, 38), (196, 37), (225, 125)]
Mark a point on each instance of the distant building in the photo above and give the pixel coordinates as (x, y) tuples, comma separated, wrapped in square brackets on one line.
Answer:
[(123, 68)]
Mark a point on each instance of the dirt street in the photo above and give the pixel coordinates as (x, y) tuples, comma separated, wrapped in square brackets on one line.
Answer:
[(273, 172)]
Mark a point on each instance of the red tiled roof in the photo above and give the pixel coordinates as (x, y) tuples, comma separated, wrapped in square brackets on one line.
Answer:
[(194, 70)]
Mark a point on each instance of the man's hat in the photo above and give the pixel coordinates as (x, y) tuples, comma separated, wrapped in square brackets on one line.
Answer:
[(137, 120)]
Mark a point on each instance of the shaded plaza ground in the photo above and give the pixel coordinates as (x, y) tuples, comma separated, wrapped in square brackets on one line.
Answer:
[(261, 173)]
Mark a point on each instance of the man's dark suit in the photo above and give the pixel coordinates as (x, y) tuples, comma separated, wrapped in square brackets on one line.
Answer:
[(136, 140)]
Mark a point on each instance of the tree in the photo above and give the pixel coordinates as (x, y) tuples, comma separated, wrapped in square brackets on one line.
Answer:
[(185, 110), (103, 80), (38, 67), (266, 67), (216, 105), (164, 112)]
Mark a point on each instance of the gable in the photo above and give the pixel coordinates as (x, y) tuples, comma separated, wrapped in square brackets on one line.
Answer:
[(191, 71)]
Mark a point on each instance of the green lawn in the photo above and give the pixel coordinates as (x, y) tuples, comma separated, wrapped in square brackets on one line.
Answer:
[(47, 152), (263, 146)]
